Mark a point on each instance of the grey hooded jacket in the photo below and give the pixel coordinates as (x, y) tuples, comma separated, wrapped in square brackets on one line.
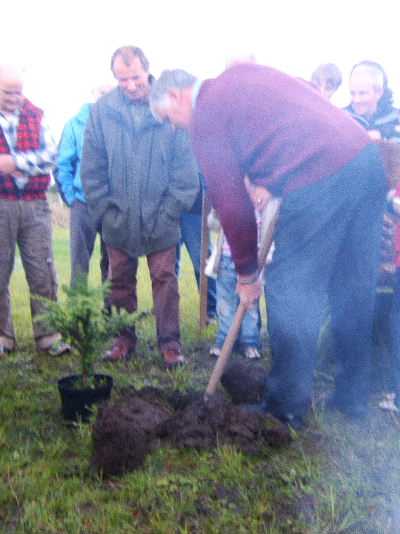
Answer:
[(137, 181)]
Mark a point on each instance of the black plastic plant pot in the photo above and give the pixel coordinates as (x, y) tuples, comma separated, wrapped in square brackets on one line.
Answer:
[(77, 402)]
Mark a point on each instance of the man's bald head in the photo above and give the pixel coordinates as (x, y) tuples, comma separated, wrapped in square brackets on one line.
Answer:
[(11, 85)]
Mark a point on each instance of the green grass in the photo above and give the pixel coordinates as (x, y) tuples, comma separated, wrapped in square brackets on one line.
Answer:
[(335, 477)]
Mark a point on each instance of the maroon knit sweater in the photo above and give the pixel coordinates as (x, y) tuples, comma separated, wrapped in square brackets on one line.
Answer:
[(256, 121)]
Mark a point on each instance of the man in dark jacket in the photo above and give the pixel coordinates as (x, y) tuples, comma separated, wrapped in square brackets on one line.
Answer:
[(372, 106), (138, 176), (256, 121), (372, 102)]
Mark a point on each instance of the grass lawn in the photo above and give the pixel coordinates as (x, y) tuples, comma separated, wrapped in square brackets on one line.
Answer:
[(335, 476)]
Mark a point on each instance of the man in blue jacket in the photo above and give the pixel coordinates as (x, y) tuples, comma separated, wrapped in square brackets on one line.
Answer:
[(82, 229)]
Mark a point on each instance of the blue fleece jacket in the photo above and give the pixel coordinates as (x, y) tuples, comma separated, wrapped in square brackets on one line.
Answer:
[(69, 157)]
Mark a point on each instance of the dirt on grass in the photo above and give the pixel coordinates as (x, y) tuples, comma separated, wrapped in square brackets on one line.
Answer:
[(244, 381), (127, 430), (124, 433)]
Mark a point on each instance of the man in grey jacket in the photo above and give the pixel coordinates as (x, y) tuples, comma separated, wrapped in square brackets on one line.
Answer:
[(138, 175)]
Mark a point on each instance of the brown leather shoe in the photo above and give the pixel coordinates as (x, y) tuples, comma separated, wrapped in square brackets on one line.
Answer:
[(173, 358), (122, 348)]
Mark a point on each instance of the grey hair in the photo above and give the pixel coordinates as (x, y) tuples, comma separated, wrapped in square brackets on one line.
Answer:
[(127, 54), (327, 73), (169, 79), (374, 71)]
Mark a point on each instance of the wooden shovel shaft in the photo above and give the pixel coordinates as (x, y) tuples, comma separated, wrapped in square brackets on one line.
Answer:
[(226, 350), (268, 222)]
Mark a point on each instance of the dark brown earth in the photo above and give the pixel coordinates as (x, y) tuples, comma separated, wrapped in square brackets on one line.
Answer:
[(244, 381), (217, 422), (123, 433), (127, 430)]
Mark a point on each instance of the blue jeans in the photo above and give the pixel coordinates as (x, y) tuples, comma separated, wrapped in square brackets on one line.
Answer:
[(327, 243), (191, 237), (227, 303)]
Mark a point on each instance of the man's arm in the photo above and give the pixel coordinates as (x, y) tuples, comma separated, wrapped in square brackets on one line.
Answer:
[(228, 195), (94, 167), (184, 185), (66, 164)]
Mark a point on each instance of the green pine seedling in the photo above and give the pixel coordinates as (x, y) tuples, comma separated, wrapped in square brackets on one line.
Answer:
[(83, 323)]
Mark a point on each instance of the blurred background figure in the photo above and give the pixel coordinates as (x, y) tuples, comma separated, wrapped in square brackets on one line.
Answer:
[(27, 158), (372, 107), (191, 234), (327, 78), (240, 58), (372, 101), (83, 232)]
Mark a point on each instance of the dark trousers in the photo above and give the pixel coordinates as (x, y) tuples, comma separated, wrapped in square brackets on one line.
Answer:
[(122, 275), (83, 236), (191, 237), (327, 252), (395, 337)]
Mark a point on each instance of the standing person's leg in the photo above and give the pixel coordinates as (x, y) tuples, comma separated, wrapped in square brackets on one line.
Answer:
[(352, 293), (395, 339), (36, 249), (178, 258), (191, 237), (122, 276), (7, 333), (250, 333), (166, 303), (227, 302), (310, 230), (82, 239), (9, 224), (104, 263), (295, 313)]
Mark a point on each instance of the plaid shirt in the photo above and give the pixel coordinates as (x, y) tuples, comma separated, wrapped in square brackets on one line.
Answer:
[(28, 141), (31, 162)]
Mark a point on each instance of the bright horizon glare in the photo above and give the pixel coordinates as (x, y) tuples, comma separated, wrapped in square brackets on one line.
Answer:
[(65, 48)]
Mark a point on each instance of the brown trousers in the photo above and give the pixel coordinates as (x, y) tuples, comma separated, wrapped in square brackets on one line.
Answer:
[(28, 225), (122, 275)]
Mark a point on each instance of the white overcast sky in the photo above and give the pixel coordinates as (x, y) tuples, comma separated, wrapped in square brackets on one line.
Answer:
[(65, 46)]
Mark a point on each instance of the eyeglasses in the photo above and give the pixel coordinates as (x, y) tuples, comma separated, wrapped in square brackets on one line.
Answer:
[(7, 93)]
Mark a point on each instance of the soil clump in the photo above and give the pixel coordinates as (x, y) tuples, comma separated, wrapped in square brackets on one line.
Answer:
[(128, 429), (218, 422), (123, 433), (244, 381)]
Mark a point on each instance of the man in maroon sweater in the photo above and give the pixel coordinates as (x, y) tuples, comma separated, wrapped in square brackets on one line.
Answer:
[(258, 122)]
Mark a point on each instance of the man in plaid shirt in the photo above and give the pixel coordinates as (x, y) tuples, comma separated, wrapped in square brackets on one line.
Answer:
[(27, 156)]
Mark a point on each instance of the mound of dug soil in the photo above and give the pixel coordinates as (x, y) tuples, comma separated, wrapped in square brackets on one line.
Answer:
[(123, 433), (204, 425), (127, 430), (244, 381)]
